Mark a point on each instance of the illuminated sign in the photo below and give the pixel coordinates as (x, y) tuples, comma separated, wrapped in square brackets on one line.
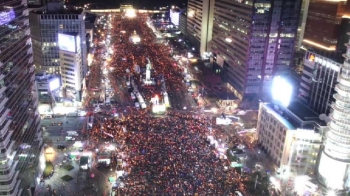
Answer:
[(7, 16), (311, 57), (68, 42), (315, 59), (174, 17), (54, 84)]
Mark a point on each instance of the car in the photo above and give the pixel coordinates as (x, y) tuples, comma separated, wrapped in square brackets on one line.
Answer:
[(137, 105)]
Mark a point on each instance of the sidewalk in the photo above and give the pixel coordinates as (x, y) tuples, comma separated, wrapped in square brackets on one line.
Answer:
[(60, 186)]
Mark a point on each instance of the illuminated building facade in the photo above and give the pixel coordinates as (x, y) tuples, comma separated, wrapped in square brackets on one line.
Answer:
[(254, 40), (336, 152), (317, 83), (325, 25), (46, 83), (21, 139), (45, 26), (291, 136), (175, 16), (71, 68), (200, 23)]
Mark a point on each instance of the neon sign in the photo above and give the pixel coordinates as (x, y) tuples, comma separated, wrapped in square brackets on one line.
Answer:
[(7, 16)]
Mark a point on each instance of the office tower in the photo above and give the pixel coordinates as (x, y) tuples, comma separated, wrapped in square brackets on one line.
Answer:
[(324, 31), (302, 23), (21, 141), (200, 23), (183, 23), (71, 64), (46, 25), (318, 79), (253, 41), (324, 38), (336, 152)]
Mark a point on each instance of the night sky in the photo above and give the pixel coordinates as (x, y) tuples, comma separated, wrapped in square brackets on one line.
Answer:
[(140, 4)]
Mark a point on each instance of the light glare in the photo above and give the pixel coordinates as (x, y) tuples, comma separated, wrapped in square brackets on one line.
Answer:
[(130, 13), (229, 40), (281, 90)]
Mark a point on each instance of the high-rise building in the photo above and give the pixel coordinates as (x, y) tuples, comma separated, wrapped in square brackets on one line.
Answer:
[(325, 24), (200, 23), (302, 23), (318, 79), (254, 40), (71, 64), (45, 26), (336, 152), (183, 23), (21, 140)]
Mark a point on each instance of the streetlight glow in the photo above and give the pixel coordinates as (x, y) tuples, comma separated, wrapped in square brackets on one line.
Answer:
[(227, 39)]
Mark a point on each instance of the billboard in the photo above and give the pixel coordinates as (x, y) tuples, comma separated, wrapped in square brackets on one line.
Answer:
[(67, 42), (54, 84), (174, 17), (7, 16)]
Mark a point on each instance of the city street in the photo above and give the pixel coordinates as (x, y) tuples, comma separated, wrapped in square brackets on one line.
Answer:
[(132, 148)]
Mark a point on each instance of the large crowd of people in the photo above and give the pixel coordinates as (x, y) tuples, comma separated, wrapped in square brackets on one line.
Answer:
[(169, 155), (128, 55), (164, 155)]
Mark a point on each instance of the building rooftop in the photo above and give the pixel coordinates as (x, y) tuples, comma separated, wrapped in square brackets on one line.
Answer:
[(61, 11), (302, 111), (285, 122)]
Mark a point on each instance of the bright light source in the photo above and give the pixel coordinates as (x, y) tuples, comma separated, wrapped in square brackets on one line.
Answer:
[(214, 110), (229, 40), (331, 193), (281, 90), (130, 13), (135, 38), (189, 55), (78, 144), (90, 59), (158, 108), (49, 150), (191, 13)]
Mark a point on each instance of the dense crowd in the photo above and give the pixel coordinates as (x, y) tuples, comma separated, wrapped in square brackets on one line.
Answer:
[(170, 155), (128, 55), (167, 155)]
